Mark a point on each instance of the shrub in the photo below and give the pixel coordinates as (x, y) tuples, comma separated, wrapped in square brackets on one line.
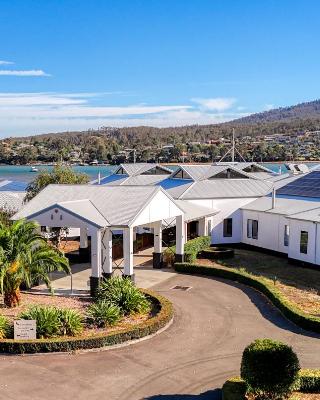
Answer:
[(122, 293), (52, 321), (102, 314), (309, 380), (5, 327), (150, 326), (270, 369), (234, 389), (71, 322), (191, 248), (48, 320)]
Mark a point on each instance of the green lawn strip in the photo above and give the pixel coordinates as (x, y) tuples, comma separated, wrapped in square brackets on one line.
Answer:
[(287, 307), (67, 344), (309, 382)]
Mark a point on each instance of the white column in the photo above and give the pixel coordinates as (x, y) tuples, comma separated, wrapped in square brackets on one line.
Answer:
[(157, 234), (83, 238), (96, 253), (107, 251), (202, 227), (128, 251), (180, 234)]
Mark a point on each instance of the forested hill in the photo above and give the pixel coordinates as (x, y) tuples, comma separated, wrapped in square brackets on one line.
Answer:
[(306, 111), (301, 117)]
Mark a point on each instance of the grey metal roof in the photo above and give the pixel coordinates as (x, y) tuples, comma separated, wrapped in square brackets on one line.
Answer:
[(283, 206), (11, 201), (143, 180), (309, 215), (227, 188), (133, 169), (194, 211), (117, 204)]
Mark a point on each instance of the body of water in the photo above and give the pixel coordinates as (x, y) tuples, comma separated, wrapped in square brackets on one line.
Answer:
[(23, 173)]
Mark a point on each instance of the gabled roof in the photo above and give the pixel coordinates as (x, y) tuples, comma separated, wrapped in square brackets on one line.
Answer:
[(102, 205), (201, 172), (227, 188), (134, 169)]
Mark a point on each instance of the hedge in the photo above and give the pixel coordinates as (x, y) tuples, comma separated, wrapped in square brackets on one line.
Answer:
[(309, 382), (192, 248), (287, 307), (152, 325)]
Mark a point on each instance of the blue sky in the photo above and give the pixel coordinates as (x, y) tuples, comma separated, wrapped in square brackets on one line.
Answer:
[(75, 64)]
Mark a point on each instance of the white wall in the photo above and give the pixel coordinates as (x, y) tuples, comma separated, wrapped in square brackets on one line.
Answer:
[(296, 226), (270, 230), (229, 208)]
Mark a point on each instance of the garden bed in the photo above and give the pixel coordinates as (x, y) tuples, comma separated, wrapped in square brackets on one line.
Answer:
[(130, 327), (214, 253)]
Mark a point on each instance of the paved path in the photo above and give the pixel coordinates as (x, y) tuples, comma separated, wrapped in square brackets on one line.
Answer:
[(214, 322)]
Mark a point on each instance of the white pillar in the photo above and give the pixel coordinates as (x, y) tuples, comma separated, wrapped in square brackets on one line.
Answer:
[(202, 227), (96, 253), (83, 238), (157, 234), (107, 252), (180, 237), (128, 251)]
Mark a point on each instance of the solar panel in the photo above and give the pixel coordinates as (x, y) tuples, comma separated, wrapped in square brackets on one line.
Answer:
[(14, 186), (306, 186)]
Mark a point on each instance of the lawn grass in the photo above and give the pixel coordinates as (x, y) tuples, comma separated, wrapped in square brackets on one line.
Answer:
[(299, 284)]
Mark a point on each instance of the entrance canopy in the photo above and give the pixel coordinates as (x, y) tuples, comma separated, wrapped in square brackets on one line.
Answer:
[(100, 206), (97, 210)]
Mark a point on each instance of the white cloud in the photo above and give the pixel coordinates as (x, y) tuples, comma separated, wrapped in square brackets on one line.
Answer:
[(31, 72), (269, 107), (34, 113), (2, 62), (215, 104)]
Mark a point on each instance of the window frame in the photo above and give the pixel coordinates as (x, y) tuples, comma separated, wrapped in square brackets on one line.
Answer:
[(304, 244), (228, 227)]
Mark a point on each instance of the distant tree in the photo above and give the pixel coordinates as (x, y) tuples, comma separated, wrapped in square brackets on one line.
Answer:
[(59, 175)]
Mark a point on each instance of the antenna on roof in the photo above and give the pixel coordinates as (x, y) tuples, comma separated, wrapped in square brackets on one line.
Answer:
[(233, 150)]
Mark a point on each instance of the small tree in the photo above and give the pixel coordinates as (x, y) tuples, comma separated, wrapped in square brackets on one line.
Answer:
[(25, 257), (59, 174), (270, 369)]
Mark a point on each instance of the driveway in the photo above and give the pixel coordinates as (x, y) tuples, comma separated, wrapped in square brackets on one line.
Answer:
[(214, 322)]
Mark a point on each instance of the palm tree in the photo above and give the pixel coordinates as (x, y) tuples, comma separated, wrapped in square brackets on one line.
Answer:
[(25, 258)]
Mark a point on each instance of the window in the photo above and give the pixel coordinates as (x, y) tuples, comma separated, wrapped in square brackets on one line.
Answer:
[(181, 174), (227, 227), (209, 227), (304, 242), (286, 236), (252, 228)]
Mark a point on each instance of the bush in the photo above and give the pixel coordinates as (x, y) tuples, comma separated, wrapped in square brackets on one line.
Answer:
[(150, 326), (289, 309), (71, 322), (48, 320), (191, 248), (270, 369), (234, 389), (122, 293), (5, 327), (102, 314), (52, 321), (309, 380)]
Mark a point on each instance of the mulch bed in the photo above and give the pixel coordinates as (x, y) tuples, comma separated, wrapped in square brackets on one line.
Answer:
[(78, 303)]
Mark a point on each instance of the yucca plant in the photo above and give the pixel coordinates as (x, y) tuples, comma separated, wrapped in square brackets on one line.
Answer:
[(48, 320), (71, 322), (25, 257), (122, 293), (102, 314)]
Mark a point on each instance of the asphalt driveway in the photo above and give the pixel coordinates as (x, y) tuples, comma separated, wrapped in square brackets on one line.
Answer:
[(214, 321)]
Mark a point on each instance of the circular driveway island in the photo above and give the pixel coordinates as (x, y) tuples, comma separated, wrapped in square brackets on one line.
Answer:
[(214, 321)]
